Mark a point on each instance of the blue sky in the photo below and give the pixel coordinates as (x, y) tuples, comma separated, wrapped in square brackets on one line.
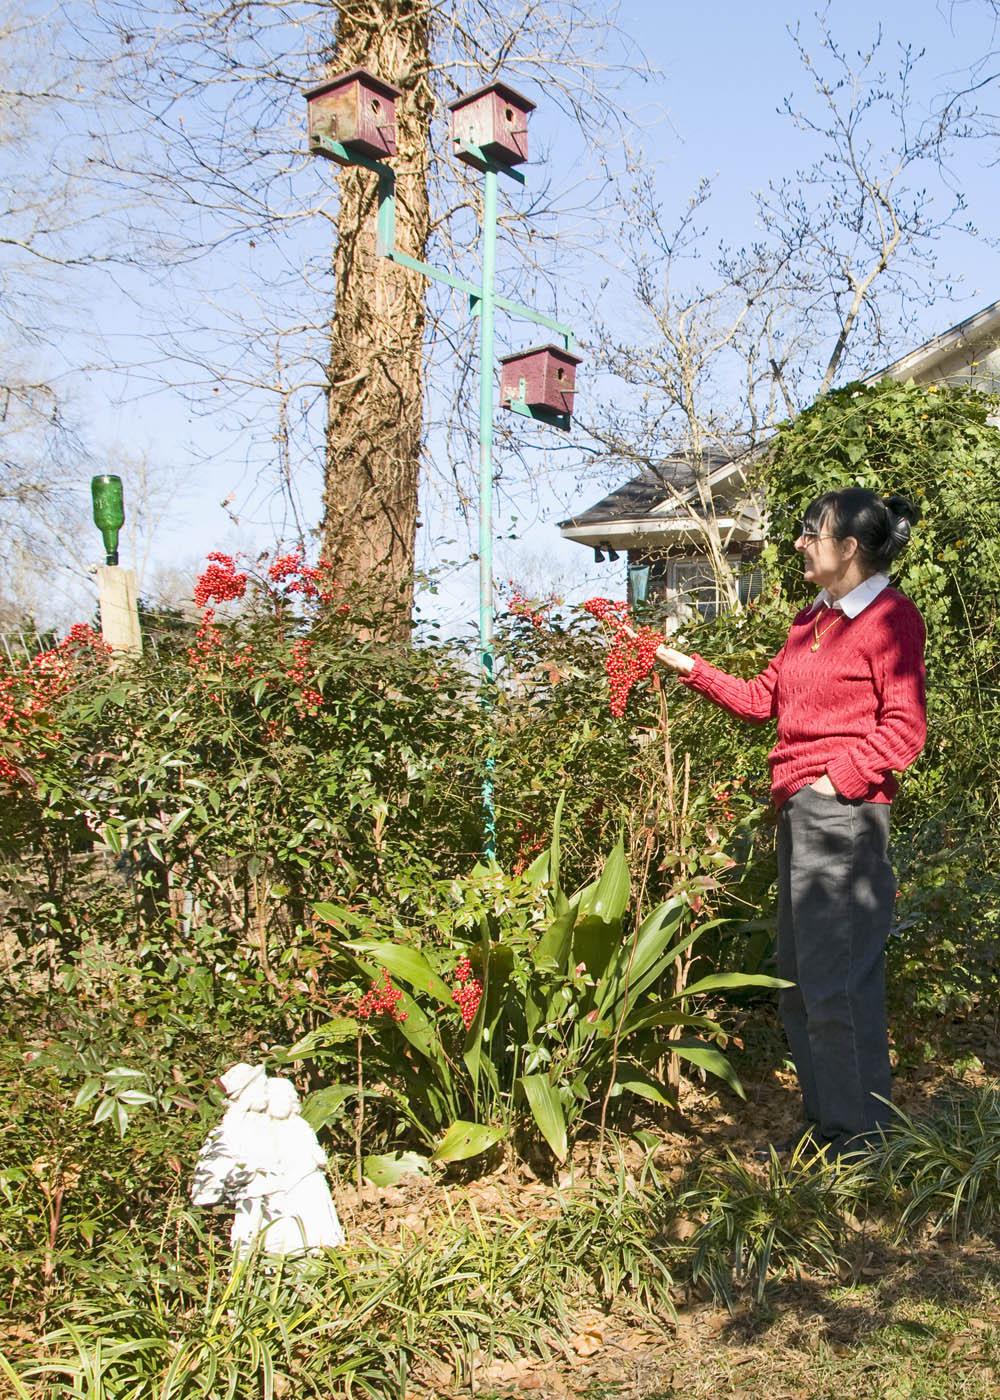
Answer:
[(725, 71)]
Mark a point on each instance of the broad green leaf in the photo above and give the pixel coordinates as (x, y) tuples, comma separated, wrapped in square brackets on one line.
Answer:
[(422, 1033), (392, 1167), (551, 952), (120, 1072), (609, 898), (463, 1140), (730, 981), (331, 1033), (554, 847), (177, 821), (337, 914), (538, 871), (547, 1111), (595, 944), (320, 1107), (634, 959), (406, 963), (104, 1110), (630, 1079), (657, 1014), (638, 985), (707, 1057), (88, 1090), (112, 837)]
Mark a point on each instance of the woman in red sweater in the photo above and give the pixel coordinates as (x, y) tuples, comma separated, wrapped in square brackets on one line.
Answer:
[(847, 691)]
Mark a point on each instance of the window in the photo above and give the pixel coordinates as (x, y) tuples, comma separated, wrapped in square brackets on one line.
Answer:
[(689, 587)]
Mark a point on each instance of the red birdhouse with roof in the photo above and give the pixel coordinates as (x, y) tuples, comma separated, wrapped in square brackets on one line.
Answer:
[(358, 111), (495, 120), (541, 378)]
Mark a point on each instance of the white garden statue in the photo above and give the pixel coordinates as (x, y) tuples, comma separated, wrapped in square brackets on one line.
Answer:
[(265, 1161)]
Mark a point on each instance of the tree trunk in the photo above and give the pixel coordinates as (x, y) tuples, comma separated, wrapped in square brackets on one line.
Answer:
[(375, 385)]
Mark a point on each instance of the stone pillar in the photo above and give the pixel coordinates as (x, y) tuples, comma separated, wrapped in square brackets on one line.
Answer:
[(119, 609)]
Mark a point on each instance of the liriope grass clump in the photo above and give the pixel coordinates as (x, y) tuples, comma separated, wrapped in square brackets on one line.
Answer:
[(613, 1240), (193, 1324), (944, 1170), (752, 1227)]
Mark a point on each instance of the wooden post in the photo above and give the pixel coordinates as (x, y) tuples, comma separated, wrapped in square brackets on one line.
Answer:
[(119, 610)]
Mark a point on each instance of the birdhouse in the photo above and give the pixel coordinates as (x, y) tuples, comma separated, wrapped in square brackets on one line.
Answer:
[(541, 378), (357, 110), (495, 119)]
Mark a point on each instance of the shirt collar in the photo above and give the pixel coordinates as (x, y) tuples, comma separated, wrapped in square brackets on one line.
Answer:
[(858, 599)]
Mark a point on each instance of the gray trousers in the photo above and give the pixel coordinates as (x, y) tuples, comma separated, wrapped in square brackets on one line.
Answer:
[(836, 894)]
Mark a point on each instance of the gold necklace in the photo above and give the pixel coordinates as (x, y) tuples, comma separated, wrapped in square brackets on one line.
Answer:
[(820, 635)]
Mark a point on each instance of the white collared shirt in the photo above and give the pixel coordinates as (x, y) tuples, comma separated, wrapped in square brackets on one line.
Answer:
[(858, 599)]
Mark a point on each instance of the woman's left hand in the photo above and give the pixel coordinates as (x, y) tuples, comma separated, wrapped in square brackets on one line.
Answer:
[(824, 786)]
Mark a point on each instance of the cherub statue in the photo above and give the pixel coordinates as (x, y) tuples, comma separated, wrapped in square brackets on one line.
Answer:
[(265, 1160)]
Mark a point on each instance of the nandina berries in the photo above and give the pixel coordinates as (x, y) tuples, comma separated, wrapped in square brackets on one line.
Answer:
[(294, 575), (632, 653), (381, 999), (29, 690), (220, 583), (469, 992)]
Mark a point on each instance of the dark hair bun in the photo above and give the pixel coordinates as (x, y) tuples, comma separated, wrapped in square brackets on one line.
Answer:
[(906, 510), (902, 515)]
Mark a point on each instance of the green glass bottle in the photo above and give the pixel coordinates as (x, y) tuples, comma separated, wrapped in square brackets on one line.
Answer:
[(109, 511)]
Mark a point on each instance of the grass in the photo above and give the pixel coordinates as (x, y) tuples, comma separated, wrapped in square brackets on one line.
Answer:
[(482, 1292), (944, 1170)]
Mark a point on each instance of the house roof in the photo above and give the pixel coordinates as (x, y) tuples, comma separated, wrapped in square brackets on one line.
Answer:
[(645, 494), (950, 356), (932, 359)]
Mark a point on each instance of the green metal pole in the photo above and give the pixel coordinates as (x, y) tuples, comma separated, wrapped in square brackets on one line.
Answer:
[(486, 490)]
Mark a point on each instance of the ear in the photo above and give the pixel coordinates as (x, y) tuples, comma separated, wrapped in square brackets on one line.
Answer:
[(848, 548)]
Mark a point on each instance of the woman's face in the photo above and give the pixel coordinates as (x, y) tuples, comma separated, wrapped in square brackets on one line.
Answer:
[(825, 560)]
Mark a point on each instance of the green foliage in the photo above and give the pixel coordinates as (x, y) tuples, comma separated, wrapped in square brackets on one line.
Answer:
[(617, 1230), (573, 1000), (186, 1323), (752, 1229), (945, 1169)]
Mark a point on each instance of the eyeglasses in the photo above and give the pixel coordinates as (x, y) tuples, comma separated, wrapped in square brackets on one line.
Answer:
[(811, 536)]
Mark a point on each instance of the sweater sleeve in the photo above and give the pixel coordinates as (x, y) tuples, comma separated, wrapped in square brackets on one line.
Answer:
[(754, 700), (901, 728)]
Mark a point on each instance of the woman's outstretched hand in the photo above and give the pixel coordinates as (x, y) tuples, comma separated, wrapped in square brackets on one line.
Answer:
[(676, 660)]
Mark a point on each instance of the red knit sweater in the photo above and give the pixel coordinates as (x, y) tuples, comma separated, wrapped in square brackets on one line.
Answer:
[(854, 709)]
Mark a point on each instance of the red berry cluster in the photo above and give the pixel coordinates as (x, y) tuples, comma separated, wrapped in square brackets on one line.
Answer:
[(220, 583), (469, 992), (609, 610), (381, 999), (632, 654), (723, 797), (28, 692), (296, 576), (310, 698), (520, 606), (208, 641)]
